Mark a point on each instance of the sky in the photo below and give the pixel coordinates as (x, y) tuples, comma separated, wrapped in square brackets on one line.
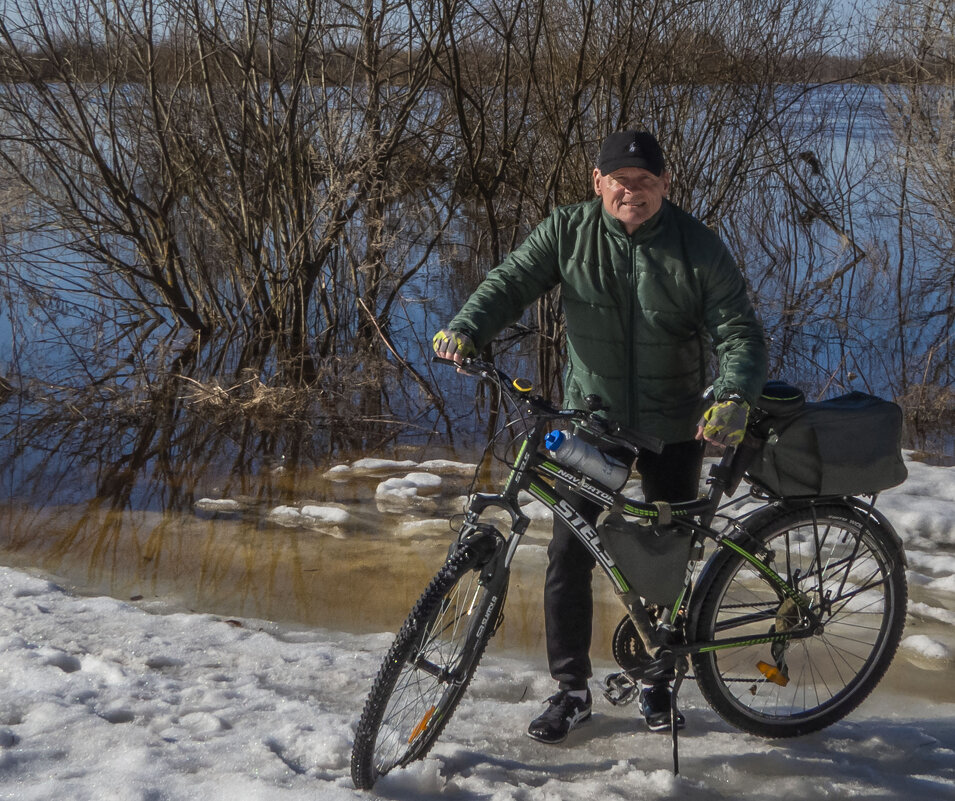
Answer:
[(140, 701)]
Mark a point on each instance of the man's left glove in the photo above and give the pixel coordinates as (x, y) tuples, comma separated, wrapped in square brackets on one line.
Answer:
[(724, 423)]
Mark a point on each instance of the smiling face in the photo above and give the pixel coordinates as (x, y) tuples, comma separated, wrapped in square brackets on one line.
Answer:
[(631, 194)]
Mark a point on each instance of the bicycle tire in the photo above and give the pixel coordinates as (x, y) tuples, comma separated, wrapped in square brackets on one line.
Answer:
[(826, 548), (428, 667)]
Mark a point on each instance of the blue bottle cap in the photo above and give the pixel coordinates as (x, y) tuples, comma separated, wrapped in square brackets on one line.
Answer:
[(554, 440)]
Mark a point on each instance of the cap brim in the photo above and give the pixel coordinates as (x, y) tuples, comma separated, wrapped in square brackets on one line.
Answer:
[(611, 165)]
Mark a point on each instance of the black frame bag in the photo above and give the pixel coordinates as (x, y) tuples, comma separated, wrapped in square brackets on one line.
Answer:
[(652, 557), (850, 445)]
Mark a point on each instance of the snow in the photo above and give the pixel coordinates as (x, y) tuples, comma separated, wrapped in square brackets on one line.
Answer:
[(446, 465), (218, 505), (927, 612), (533, 508), (326, 514), (140, 701), (369, 466), (934, 653), (310, 516), (411, 485)]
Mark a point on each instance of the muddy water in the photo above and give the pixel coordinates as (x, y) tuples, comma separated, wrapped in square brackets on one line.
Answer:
[(252, 553), (245, 549)]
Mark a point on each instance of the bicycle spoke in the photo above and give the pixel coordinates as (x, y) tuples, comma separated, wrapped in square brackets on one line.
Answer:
[(850, 580)]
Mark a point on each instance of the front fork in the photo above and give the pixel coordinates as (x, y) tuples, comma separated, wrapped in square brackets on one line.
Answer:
[(487, 549), (483, 540)]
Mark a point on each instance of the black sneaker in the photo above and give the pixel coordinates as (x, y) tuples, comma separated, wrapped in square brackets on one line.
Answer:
[(564, 712), (655, 705)]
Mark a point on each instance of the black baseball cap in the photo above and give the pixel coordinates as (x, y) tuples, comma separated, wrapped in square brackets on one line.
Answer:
[(631, 149)]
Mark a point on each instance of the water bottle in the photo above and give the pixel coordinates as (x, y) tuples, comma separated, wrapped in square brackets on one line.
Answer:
[(574, 452)]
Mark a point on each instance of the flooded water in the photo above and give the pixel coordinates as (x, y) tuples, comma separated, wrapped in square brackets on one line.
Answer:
[(320, 547), (192, 519), (352, 561), (166, 503)]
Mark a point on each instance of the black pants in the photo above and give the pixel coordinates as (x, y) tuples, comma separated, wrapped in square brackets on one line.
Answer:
[(672, 476)]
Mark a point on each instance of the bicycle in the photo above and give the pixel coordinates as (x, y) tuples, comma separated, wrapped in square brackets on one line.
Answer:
[(790, 624)]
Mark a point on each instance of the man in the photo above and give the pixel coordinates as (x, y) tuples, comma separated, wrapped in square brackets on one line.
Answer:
[(647, 292)]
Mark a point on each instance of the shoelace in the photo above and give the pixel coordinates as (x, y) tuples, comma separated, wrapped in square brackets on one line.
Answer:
[(564, 704)]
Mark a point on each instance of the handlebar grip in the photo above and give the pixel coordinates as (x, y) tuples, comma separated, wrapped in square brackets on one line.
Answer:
[(468, 365), (471, 366), (442, 360)]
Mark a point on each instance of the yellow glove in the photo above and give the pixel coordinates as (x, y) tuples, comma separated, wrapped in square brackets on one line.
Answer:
[(724, 423), (453, 345)]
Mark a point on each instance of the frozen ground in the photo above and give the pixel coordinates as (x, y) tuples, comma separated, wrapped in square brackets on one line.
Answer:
[(104, 700)]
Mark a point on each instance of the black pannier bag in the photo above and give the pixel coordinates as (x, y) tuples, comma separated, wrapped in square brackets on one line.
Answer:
[(850, 445)]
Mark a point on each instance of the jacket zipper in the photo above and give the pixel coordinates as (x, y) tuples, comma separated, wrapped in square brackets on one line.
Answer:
[(631, 335)]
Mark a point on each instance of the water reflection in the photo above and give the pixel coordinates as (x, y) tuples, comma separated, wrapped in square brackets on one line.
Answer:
[(147, 497), (237, 521), (362, 570)]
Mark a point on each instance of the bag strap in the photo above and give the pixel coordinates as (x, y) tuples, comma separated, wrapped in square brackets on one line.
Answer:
[(664, 513)]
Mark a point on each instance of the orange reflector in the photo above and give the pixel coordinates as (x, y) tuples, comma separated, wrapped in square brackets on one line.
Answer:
[(419, 729), (773, 674)]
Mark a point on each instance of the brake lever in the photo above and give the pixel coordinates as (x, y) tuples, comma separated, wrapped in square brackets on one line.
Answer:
[(470, 365)]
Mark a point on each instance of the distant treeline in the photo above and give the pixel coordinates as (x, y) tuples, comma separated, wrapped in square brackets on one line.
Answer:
[(709, 59)]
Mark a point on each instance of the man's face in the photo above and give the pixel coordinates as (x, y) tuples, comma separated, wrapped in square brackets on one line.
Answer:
[(631, 194)]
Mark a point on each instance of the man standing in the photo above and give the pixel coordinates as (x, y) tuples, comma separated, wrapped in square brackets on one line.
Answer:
[(648, 292)]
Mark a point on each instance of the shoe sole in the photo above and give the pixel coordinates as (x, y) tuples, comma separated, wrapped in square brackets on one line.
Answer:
[(659, 727)]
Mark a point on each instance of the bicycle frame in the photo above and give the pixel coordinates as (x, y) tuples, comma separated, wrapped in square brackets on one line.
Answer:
[(542, 478)]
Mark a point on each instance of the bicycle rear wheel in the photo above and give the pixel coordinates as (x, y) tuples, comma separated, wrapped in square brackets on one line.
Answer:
[(429, 666), (852, 571)]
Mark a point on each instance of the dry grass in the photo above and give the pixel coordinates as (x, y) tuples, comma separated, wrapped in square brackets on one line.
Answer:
[(250, 398), (929, 406)]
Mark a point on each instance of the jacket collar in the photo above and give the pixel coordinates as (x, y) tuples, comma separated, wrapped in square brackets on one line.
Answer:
[(644, 233)]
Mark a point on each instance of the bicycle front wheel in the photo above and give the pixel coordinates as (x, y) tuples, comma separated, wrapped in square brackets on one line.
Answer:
[(428, 667), (851, 569)]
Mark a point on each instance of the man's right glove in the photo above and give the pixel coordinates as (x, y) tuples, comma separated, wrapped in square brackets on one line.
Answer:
[(453, 345), (724, 423)]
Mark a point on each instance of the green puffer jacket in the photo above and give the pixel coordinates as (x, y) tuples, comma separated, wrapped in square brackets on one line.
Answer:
[(643, 313)]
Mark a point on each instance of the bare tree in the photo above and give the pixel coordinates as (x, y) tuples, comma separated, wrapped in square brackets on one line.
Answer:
[(714, 81), (282, 177), (250, 169), (919, 160)]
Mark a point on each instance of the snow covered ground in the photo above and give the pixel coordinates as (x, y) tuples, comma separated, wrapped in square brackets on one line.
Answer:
[(101, 699)]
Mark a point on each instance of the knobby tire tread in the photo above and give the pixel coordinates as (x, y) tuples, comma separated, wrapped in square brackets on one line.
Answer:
[(364, 772)]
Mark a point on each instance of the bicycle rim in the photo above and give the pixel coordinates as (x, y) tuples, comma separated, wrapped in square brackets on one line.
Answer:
[(425, 673), (852, 574)]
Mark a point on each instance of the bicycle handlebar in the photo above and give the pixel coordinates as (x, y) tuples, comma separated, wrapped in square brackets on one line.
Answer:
[(604, 428)]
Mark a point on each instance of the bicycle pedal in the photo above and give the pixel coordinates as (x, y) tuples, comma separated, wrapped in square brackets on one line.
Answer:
[(620, 689)]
